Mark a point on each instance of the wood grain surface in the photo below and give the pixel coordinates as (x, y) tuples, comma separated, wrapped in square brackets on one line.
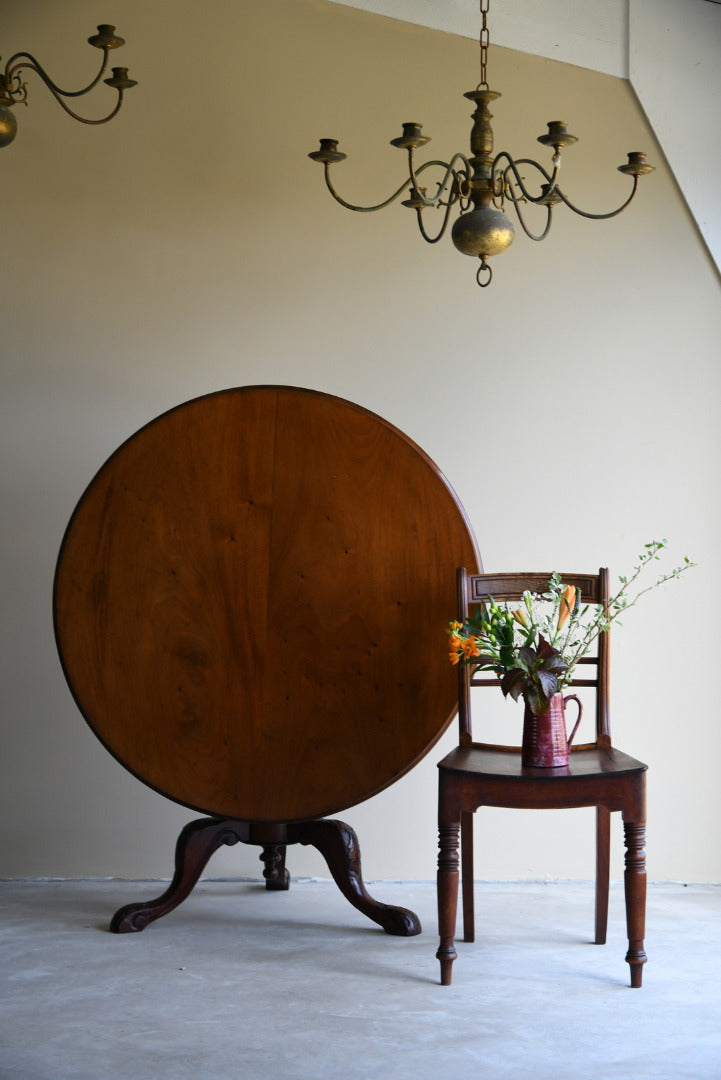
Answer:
[(250, 603)]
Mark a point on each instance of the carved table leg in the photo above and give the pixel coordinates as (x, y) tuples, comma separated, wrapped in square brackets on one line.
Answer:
[(447, 897), (635, 889), (196, 843), (338, 844), (277, 878)]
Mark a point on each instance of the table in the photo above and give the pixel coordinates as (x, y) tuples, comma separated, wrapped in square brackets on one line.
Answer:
[(249, 605)]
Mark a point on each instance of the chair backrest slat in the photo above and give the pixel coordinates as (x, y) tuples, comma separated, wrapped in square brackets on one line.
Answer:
[(512, 586), (474, 589)]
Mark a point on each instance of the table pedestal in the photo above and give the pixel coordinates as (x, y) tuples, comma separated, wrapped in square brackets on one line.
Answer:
[(336, 841)]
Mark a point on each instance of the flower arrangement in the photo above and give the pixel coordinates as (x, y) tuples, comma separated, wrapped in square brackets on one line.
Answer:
[(535, 648)]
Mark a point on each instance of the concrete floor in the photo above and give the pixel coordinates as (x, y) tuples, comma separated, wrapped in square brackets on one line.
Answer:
[(241, 984)]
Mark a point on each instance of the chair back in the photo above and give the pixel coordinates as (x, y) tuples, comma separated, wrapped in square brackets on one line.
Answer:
[(476, 589)]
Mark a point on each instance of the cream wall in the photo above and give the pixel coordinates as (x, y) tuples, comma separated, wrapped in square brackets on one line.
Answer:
[(189, 246)]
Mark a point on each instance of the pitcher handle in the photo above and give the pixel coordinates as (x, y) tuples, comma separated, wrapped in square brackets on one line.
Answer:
[(572, 697)]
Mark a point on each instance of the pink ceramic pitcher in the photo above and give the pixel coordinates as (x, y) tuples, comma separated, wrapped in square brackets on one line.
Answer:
[(545, 744)]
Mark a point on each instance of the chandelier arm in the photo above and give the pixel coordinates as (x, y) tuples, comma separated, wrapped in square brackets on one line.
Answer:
[(527, 231), (599, 217), (391, 198), (84, 119), (11, 70), (451, 171), (361, 209), (512, 166), (424, 234), (555, 190)]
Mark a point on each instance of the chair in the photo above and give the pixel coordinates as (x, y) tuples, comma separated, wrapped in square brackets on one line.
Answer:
[(483, 774)]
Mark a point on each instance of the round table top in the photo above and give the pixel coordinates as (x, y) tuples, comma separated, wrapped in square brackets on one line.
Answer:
[(250, 603)]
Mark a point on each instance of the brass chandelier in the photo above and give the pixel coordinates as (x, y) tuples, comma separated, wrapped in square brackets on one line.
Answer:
[(483, 184), (13, 90)]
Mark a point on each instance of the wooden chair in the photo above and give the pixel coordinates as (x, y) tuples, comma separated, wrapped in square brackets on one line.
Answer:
[(483, 774)]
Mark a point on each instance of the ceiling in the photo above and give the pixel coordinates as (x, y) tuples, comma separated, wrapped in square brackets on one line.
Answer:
[(670, 50), (589, 33)]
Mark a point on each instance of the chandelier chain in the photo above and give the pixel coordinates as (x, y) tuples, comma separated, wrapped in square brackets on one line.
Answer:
[(484, 40)]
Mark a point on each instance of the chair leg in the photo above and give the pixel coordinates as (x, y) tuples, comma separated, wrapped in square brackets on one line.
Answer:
[(635, 889), (603, 860), (447, 897), (469, 921)]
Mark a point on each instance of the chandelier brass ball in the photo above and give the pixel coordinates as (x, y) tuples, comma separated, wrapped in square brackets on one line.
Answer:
[(8, 125), (482, 231)]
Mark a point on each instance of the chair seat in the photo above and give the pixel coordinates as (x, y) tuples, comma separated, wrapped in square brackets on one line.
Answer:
[(504, 763)]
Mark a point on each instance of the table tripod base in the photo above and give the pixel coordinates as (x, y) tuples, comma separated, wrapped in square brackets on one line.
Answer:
[(336, 841)]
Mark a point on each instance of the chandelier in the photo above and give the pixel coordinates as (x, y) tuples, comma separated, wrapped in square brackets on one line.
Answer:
[(13, 90), (484, 184)]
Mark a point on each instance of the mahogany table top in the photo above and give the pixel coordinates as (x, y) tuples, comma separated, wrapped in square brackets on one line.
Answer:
[(250, 603)]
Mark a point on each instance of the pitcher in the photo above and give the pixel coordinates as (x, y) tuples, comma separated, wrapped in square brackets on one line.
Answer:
[(545, 744)]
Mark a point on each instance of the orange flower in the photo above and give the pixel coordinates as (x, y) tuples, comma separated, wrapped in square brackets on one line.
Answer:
[(520, 617), (454, 657), (568, 602), (469, 648)]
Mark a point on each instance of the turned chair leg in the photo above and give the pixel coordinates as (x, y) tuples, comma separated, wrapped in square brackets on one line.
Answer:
[(603, 862), (447, 897), (635, 890)]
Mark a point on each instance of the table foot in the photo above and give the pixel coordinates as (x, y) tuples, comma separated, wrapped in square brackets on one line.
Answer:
[(277, 878), (338, 844), (195, 845)]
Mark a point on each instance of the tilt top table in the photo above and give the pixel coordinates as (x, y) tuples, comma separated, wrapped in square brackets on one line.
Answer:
[(249, 607)]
